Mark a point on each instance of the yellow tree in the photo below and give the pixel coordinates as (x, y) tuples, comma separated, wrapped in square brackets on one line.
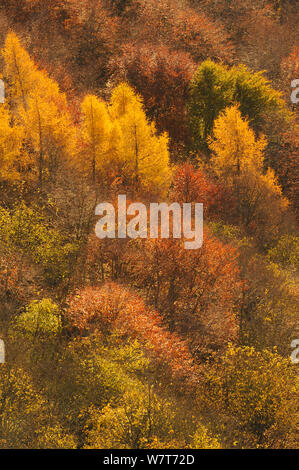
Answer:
[(50, 133), (11, 138), (238, 159), (24, 79), (37, 103), (20, 72), (96, 134), (235, 148), (144, 153), (259, 390)]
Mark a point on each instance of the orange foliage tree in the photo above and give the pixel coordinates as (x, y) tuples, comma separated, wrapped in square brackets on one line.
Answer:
[(113, 308), (194, 185), (197, 291)]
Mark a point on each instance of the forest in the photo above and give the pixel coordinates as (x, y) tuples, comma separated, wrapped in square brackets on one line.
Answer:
[(140, 343)]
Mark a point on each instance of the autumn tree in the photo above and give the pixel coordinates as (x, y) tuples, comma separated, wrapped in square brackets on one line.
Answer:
[(37, 103), (92, 33), (135, 152), (286, 252), (27, 419), (94, 372), (196, 291), (204, 439), (195, 185), (211, 92), (29, 231), (96, 130), (195, 33), (161, 76), (282, 154), (111, 308), (120, 142), (235, 146), (233, 13), (51, 134), (214, 87), (11, 140), (140, 421), (266, 40), (238, 159), (181, 27), (258, 391), (109, 391), (39, 319), (269, 305)]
